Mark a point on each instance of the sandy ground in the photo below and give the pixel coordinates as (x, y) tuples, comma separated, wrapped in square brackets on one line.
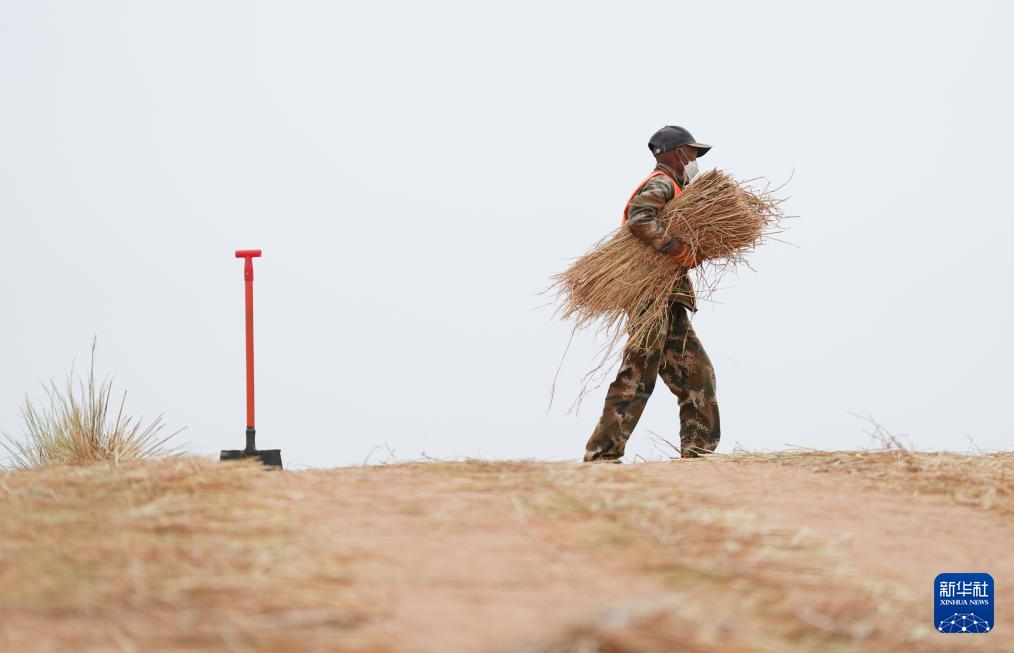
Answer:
[(469, 570), (758, 553)]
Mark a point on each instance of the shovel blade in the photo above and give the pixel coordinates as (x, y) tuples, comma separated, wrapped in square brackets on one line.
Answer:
[(271, 458)]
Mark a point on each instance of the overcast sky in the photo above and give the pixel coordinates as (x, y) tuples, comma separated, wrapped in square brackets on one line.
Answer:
[(416, 172)]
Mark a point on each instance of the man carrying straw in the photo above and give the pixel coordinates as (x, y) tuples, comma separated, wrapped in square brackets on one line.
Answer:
[(677, 354)]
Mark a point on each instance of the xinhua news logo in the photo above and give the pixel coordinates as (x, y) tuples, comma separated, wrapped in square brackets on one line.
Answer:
[(964, 603)]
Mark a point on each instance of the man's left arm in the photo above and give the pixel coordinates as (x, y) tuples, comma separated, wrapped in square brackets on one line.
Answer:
[(642, 220)]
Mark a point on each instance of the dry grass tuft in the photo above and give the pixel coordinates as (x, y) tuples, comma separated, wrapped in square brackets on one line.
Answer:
[(78, 427), (622, 282)]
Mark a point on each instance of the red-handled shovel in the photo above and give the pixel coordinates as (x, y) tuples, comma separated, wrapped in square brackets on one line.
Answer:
[(270, 457)]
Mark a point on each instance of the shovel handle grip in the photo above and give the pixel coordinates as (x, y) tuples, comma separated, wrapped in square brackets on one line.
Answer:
[(249, 255)]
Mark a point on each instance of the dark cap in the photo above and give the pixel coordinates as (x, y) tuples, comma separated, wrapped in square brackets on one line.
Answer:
[(672, 137)]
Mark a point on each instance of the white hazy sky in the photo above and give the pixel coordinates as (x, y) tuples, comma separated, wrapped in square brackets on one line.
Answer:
[(415, 173)]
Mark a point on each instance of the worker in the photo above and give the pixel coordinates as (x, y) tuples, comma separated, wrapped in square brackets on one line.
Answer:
[(677, 354)]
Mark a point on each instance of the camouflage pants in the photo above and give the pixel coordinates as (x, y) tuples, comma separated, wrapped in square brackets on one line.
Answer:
[(685, 367)]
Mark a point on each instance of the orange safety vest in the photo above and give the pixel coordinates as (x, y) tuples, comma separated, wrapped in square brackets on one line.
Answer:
[(654, 173)]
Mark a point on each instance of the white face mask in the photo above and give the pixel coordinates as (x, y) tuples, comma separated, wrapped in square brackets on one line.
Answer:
[(689, 171)]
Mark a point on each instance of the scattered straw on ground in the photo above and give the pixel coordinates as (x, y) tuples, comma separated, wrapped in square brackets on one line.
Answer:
[(178, 554), (982, 480), (189, 555), (734, 584)]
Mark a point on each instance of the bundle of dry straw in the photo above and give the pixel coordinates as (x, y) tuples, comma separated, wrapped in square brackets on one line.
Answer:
[(623, 281)]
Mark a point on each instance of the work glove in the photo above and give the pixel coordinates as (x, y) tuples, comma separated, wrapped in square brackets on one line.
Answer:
[(685, 256)]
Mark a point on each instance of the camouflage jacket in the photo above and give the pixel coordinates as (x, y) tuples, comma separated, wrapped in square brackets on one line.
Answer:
[(642, 221)]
